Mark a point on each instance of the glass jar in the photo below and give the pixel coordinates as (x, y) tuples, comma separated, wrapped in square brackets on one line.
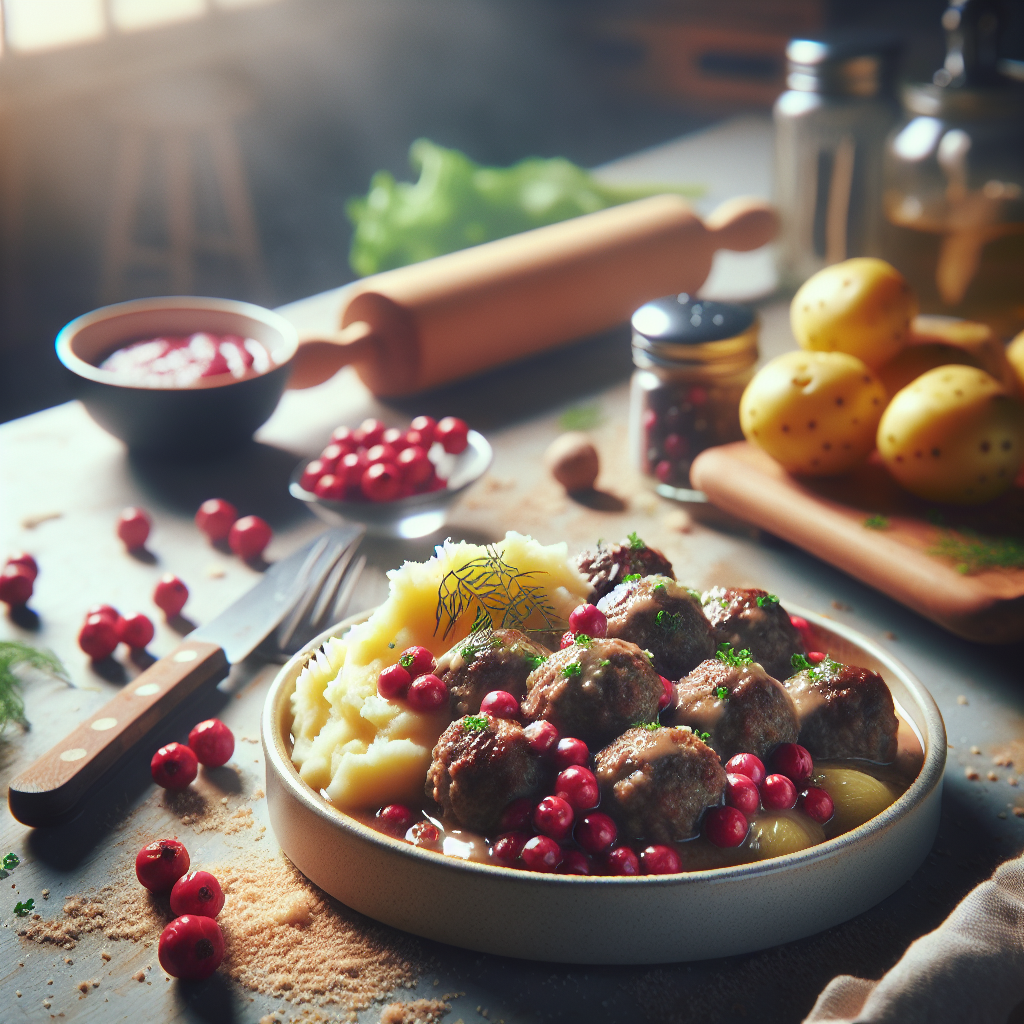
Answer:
[(693, 359)]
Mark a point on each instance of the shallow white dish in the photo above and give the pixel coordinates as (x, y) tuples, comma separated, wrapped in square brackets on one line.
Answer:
[(693, 916)]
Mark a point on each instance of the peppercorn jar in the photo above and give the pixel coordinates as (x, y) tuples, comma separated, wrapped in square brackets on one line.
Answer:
[(693, 359)]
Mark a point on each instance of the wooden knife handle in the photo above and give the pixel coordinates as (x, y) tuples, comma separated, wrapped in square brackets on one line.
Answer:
[(50, 788)]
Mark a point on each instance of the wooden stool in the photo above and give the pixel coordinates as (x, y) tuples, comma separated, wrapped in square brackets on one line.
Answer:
[(171, 122)]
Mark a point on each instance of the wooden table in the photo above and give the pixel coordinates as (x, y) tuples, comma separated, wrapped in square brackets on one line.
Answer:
[(58, 463)]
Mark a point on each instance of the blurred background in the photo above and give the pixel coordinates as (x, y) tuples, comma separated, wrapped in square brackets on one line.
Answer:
[(209, 146)]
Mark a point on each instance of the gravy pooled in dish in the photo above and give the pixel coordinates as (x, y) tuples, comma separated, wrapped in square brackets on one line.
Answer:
[(182, 362)]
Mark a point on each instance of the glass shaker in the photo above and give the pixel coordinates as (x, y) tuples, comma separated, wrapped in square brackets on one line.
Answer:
[(830, 131), (693, 359), (954, 178)]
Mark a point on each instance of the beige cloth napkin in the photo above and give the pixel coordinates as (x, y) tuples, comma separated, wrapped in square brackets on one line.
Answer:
[(970, 970)]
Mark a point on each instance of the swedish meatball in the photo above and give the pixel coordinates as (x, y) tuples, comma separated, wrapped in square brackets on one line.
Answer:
[(594, 691), (762, 628), (741, 707), (491, 659), (606, 565), (657, 782), (479, 765), (844, 711), (660, 616)]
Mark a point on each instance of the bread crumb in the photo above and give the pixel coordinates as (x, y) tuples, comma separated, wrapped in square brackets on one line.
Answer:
[(1019, 811), (418, 1011), (105, 955), (31, 522), (1002, 760), (47, 1004), (972, 773), (258, 795), (294, 910), (67, 959), (83, 987), (975, 750), (17, 992), (992, 777), (1012, 780), (139, 975), (961, 699), (46, 894)]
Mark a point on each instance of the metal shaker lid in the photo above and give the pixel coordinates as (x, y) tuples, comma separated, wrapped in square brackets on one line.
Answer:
[(852, 64)]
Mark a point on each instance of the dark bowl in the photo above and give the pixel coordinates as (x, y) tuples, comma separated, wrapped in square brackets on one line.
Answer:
[(207, 419)]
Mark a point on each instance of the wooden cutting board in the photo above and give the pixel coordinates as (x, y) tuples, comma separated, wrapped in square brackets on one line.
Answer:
[(827, 517)]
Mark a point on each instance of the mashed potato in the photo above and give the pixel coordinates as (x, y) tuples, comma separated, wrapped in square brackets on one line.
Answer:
[(364, 751)]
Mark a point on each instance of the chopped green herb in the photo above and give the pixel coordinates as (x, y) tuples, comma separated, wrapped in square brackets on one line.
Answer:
[(581, 417), (766, 599), (722, 693), (573, 669), (668, 620), (649, 655), (876, 522), (971, 552), (800, 663), (632, 577), (723, 603), (24, 909), (582, 640), (472, 647), (735, 658), (659, 586), (817, 672), (635, 543), (535, 660), (694, 594), (649, 726), (475, 723), (12, 654), (11, 861), (702, 736), (605, 662)]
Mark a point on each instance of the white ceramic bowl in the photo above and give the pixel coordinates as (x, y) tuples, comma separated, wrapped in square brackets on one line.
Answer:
[(693, 916)]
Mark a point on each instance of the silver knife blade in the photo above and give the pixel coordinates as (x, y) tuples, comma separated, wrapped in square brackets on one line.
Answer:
[(244, 625)]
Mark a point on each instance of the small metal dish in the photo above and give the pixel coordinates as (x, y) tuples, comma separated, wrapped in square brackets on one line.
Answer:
[(650, 919), (415, 516)]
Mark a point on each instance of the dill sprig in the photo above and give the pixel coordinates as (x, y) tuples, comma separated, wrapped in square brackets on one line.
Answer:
[(735, 658), (12, 654), (971, 552), (876, 522), (817, 672), (475, 723), (635, 543), (766, 599)]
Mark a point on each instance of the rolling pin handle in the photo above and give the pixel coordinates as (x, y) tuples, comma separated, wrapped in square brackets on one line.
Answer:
[(319, 358), (743, 223)]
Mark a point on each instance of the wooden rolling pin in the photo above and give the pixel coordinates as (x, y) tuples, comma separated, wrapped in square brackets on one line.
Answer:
[(447, 318)]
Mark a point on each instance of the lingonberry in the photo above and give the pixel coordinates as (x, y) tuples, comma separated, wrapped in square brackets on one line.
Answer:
[(568, 639), (98, 637), (216, 517), (345, 436), (334, 451), (508, 847), (133, 527), (425, 426), (395, 437), (517, 815), (350, 468), (660, 860), (793, 761), (803, 627), (668, 693), (553, 817), (817, 804), (212, 742), (108, 611), (198, 892), (170, 595), (16, 585), (381, 482), (621, 860), (778, 793), (414, 465), (575, 862), (747, 764), (541, 853), (396, 819), (453, 434), (589, 619), (369, 432), (314, 471), (577, 786), (726, 826), (663, 471), (571, 751), (500, 704), (417, 661), (191, 947), (159, 865), (596, 832), (23, 558), (393, 682), (381, 453), (331, 487), (816, 657), (136, 630), (542, 736), (174, 766), (249, 536), (676, 446), (741, 793), (427, 693)]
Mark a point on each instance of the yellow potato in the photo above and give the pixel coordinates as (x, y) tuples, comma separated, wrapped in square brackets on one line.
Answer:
[(815, 412), (953, 435), (775, 835), (861, 306), (858, 797), (907, 365), (1015, 357)]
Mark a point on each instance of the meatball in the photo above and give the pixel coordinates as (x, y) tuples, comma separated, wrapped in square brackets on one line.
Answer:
[(844, 711), (491, 659), (479, 765), (594, 691), (753, 620), (606, 565), (741, 707), (660, 616), (657, 782)]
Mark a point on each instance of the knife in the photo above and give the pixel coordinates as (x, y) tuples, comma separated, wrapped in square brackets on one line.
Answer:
[(49, 790)]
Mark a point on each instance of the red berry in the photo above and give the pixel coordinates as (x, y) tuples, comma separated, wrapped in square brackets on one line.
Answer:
[(350, 468), (500, 704), (596, 832), (381, 482), (542, 737), (133, 527), (578, 787), (568, 639), (649, 420), (571, 751), (332, 453), (803, 627), (23, 558), (817, 804), (331, 488), (575, 862), (108, 611), (159, 865), (396, 819), (174, 766), (417, 661), (249, 536), (778, 793), (393, 682), (663, 471), (170, 595), (676, 446), (425, 426), (668, 693), (747, 764), (541, 854), (344, 436), (553, 817), (427, 693), (369, 432), (98, 637), (313, 471), (741, 793), (191, 947), (424, 833), (660, 860), (135, 630), (816, 657), (590, 620), (726, 826), (517, 815), (212, 742), (381, 453), (395, 437), (793, 761), (15, 585), (453, 434), (216, 517), (623, 861), (198, 892), (508, 847), (414, 465)]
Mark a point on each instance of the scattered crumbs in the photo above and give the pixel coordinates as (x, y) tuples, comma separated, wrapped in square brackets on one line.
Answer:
[(1001, 814), (992, 777), (45, 894), (975, 749), (949, 745), (1002, 760), (961, 699), (31, 522), (890, 635), (139, 975), (49, 981), (258, 795), (841, 607), (17, 992), (250, 739), (95, 984), (1012, 780), (269, 1018), (1019, 811), (224, 800), (418, 1011), (105, 955), (83, 987), (216, 572), (972, 773), (47, 1004), (68, 959)]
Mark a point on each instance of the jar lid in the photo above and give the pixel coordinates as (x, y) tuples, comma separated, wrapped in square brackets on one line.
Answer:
[(850, 64), (680, 330)]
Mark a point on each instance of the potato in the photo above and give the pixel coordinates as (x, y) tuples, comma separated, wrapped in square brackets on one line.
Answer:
[(1015, 357), (914, 360), (861, 306), (775, 835), (953, 435), (815, 412), (858, 797), (573, 461)]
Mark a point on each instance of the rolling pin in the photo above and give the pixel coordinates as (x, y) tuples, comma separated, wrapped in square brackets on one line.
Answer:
[(454, 316)]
